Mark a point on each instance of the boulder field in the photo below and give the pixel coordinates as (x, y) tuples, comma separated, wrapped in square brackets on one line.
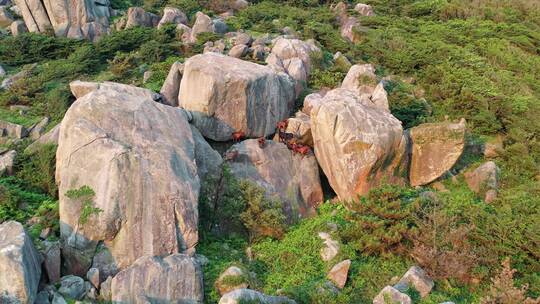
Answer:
[(130, 163)]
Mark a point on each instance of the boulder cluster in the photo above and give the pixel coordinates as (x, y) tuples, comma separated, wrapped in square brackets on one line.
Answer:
[(145, 155)]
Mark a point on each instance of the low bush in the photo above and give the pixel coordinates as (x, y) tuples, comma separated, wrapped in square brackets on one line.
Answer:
[(38, 169)]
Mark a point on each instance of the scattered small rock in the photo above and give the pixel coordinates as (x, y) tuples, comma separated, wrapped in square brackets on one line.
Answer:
[(484, 180), (72, 287), (390, 293), (339, 273), (416, 277), (235, 274), (7, 161), (331, 248)]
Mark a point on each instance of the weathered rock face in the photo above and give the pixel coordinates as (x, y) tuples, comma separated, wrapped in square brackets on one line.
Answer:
[(20, 265), (172, 15), (239, 296), (174, 279), (484, 180), (81, 88), (339, 273), (137, 16), (72, 287), (417, 278), (391, 294), (361, 79), (52, 261), (227, 95), (208, 160), (171, 87), (50, 137), (435, 149), (138, 157), (293, 56), (203, 24), (357, 144), (76, 19), (291, 178), (233, 272)]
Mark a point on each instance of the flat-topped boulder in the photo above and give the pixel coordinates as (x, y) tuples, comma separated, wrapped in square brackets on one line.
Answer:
[(357, 144), (138, 158), (175, 278), (227, 95), (20, 265)]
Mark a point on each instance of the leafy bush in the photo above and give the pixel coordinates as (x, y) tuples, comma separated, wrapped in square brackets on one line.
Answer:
[(85, 196)]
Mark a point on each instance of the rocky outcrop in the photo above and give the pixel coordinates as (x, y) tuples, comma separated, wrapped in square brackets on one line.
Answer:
[(293, 179), (137, 16), (389, 293), (20, 265), (173, 279), (25, 72), (484, 180), (232, 274), (362, 80), (50, 137), (81, 88), (75, 19), (171, 87), (417, 278), (12, 130), (138, 158), (357, 144), (172, 15), (227, 95), (205, 24), (435, 149), (240, 296), (339, 273), (293, 56)]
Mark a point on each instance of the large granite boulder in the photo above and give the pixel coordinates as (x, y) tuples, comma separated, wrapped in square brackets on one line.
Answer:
[(81, 88), (227, 95), (138, 157), (172, 15), (300, 127), (435, 149), (176, 278), (20, 265), (293, 56), (484, 180), (76, 19), (205, 24), (357, 144), (137, 16), (291, 178), (239, 296)]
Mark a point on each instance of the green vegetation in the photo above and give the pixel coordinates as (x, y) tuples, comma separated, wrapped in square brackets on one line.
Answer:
[(439, 59)]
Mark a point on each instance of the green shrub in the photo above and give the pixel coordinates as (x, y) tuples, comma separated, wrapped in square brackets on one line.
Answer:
[(85, 196), (381, 220), (263, 217), (38, 169)]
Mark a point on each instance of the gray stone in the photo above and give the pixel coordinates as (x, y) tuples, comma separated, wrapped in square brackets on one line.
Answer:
[(93, 277), (58, 299), (72, 287), (104, 262), (2, 72), (172, 15), (38, 129), (137, 16), (138, 157), (227, 95), (20, 265), (484, 180), (5, 17), (331, 247), (203, 24), (171, 87), (208, 160), (238, 51), (364, 9), (7, 161), (417, 278), (50, 137), (18, 27), (105, 292), (173, 279), (239, 296), (52, 260), (393, 295), (10, 81), (13, 130)]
